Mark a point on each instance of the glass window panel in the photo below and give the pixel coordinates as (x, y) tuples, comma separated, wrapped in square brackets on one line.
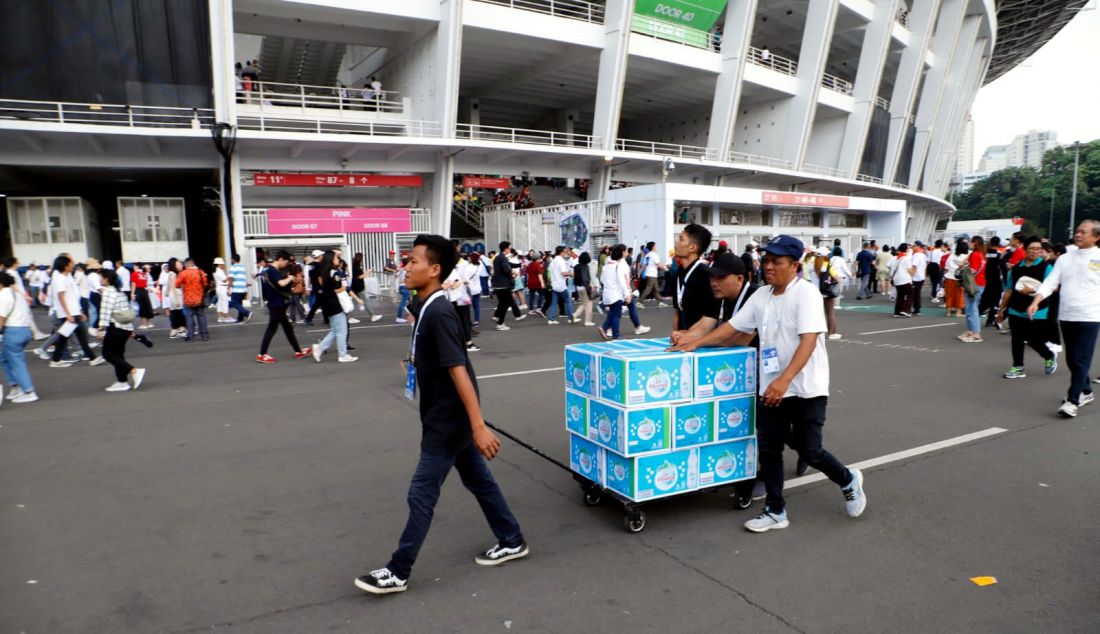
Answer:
[(128, 219), (36, 216), (74, 221)]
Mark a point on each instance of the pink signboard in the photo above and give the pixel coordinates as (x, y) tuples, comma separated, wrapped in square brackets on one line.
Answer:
[(307, 221)]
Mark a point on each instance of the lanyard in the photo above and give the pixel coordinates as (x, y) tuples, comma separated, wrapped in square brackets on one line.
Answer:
[(416, 328), (737, 305), (680, 286), (770, 334)]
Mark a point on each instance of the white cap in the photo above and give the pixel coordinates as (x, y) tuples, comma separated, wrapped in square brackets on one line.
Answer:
[(823, 251), (317, 253), (218, 261)]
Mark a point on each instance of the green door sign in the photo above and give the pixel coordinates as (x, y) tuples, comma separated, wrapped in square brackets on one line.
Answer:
[(700, 15)]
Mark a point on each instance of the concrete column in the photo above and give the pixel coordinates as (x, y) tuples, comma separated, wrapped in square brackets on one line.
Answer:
[(448, 59), (922, 24), (221, 59), (442, 199), (613, 61), (942, 153), (736, 38), (236, 206), (474, 112), (814, 53), (948, 50), (570, 124), (872, 59)]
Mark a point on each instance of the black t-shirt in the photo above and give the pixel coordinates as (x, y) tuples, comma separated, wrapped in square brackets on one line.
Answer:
[(699, 299), (357, 284), (440, 345), (276, 296)]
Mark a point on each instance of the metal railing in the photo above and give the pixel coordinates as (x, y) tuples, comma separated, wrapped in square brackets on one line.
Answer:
[(661, 30), (469, 212), (571, 9), (255, 221), (882, 103), (667, 149), (900, 185), (902, 16), (383, 127), (529, 229), (867, 178), (767, 59), (519, 135), (821, 169), (106, 114), (267, 94), (756, 159), (832, 82)]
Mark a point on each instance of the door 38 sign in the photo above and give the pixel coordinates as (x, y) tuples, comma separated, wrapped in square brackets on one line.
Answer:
[(311, 221)]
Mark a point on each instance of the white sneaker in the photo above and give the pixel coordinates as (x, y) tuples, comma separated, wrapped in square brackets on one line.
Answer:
[(14, 393), (1055, 348), (855, 500), (521, 317), (1085, 399), (523, 307), (347, 358), (136, 377), (317, 352), (42, 354), (767, 521), (353, 320), (118, 387), (835, 336), (1067, 410), (641, 330), (400, 321), (502, 327), (61, 364), (97, 361), (589, 324), (551, 322), (26, 397), (662, 305), (375, 318)]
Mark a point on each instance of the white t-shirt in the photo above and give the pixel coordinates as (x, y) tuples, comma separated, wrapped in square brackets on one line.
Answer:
[(95, 282), (470, 273), (458, 295), (615, 281), (900, 275), (221, 278), (13, 307), (558, 269), (780, 320), (652, 261), (124, 279), (920, 262), (65, 284), (1077, 275)]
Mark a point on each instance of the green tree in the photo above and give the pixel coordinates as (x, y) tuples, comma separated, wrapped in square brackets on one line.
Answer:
[(1028, 193)]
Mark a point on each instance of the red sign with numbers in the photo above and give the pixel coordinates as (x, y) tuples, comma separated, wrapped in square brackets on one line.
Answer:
[(277, 179), (804, 200), (480, 182)]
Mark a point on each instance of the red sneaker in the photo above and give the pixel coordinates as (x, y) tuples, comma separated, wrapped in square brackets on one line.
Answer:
[(303, 354), (265, 358)]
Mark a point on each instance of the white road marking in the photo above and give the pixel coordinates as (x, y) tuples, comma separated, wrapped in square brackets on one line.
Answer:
[(879, 332), (494, 376), (901, 455), (365, 327)]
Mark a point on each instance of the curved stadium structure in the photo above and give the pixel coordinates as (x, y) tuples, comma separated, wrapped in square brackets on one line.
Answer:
[(821, 118)]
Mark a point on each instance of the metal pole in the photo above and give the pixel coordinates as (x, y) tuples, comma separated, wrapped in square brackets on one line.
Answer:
[(1073, 198)]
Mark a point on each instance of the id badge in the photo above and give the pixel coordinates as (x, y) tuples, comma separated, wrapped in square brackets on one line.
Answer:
[(410, 380), (769, 361)]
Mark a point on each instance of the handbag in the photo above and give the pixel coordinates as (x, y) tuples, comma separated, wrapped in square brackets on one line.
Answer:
[(346, 304), (828, 286), (968, 278)]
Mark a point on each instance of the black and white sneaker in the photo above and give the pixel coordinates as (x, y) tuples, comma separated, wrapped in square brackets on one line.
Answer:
[(381, 581), (499, 554)]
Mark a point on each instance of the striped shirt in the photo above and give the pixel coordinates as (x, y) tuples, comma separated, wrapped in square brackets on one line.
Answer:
[(113, 300), (240, 278)]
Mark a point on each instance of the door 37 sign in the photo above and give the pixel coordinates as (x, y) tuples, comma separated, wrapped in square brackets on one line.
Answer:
[(287, 179), (308, 221)]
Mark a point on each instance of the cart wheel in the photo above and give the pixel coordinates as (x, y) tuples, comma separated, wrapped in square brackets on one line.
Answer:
[(743, 502), (634, 521), (592, 497)]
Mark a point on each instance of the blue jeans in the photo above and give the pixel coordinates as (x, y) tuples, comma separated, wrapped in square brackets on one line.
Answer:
[(561, 296), (1079, 340), (613, 317), (475, 301), (428, 479), (864, 281), (16, 339), (632, 308), (236, 302), (485, 291), (534, 298), (338, 331), (405, 297), (973, 319), (196, 316)]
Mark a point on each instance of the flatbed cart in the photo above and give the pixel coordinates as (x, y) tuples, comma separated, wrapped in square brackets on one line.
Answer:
[(634, 517)]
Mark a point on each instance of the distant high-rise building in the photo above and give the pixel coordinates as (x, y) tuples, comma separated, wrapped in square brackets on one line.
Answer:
[(1028, 149), (964, 155), (995, 158)]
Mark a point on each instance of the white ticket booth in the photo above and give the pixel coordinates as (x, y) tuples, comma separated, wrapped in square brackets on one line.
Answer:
[(44, 227), (152, 229)]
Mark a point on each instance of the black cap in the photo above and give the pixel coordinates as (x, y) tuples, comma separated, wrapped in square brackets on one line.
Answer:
[(727, 264)]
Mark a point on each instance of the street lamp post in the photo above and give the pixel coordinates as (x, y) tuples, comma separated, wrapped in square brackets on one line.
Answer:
[(1073, 197)]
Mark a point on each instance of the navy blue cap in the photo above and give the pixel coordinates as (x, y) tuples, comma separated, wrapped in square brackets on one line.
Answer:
[(786, 245)]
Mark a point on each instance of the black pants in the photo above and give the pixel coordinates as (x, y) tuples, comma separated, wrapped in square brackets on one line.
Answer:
[(176, 319), (1054, 333), (1080, 339), (276, 316), (114, 351), (464, 317), (1028, 332), (504, 301), (935, 280), (917, 287), (904, 302), (81, 334), (796, 423), (145, 307)]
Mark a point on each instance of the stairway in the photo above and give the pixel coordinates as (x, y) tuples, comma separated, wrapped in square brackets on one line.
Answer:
[(295, 61)]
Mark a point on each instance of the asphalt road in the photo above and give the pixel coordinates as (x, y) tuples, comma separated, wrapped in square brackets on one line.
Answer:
[(230, 496)]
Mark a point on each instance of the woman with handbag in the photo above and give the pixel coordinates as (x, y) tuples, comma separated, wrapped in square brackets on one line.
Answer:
[(116, 326), (335, 304), (972, 279), (953, 292)]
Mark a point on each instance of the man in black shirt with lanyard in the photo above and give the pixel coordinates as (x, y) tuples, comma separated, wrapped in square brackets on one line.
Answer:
[(729, 283), (693, 298), (454, 433)]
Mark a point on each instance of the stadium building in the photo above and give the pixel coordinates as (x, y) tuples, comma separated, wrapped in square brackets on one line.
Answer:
[(127, 131)]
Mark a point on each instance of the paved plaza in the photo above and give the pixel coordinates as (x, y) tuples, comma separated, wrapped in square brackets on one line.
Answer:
[(229, 496)]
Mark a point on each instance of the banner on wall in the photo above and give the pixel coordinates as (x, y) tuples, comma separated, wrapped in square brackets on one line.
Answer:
[(686, 21), (312, 220), (574, 231), (804, 200), (484, 182)]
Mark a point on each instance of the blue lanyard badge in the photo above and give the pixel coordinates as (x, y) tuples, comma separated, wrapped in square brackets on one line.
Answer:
[(410, 363)]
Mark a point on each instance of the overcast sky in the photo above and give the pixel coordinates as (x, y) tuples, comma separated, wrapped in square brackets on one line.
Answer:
[(1054, 89)]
